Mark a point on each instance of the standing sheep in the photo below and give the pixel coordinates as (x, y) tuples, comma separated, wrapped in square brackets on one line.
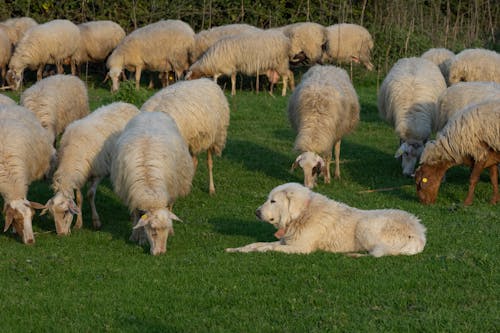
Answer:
[(408, 100), (53, 42), (322, 109), (441, 57), (85, 156), (253, 53), (475, 65), (25, 156), (306, 41), (151, 168), (462, 94), (20, 25), (57, 101), (206, 38), (201, 113), (98, 39), (162, 46), (471, 137), (348, 42)]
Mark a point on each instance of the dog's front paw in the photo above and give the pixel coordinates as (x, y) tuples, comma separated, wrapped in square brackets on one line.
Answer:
[(232, 249)]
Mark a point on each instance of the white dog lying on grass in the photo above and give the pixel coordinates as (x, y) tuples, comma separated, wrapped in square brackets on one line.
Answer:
[(308, 221)]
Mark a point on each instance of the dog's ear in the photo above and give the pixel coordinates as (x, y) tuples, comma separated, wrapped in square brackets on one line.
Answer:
[(298, 199)]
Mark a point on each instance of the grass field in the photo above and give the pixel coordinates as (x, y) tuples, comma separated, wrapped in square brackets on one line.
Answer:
[(98, 281)]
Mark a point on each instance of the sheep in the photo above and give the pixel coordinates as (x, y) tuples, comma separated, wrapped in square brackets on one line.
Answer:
[(206, 38), (462, 94), (53, 42), (408, 100), (441, 57), (201, 112), (253, 53), (19, 25), (6, 100), (25, 157), (11, 34), (322, 109), (471, 137), (475, 65), (5, 54), (306, 41), (98, 39), (151, 167), (348, 42), (162, 46), (57, 101), (85, 156)]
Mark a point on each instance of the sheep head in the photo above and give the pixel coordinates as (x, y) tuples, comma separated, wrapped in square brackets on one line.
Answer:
[(409, 152), (158, 226), (14, 78), (312, 164), (428, 179), (62, 208), (19, 213)]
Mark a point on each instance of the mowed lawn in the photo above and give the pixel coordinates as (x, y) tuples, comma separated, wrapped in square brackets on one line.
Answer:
[(99, 281)]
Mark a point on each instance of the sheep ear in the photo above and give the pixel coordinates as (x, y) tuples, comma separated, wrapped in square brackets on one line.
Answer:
[(296, 163), (143, 221), (401, 150), (73, 208), (46, 207), (174, 217), (36, 205), (9, 217)]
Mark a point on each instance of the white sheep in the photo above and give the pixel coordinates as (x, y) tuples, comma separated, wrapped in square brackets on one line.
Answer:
[(307, 40), (19, 25), (25, 157), (84, 156), (441, 57), (471, 137), (348, 42), (11, 34), (6, 100), (253, 53), (462, 94), (322, 109), (5, 54), (206, 38), (475, 65), (98, 39), (162, 46), (151, 167), (57, 101), (200, 110), (54, 42), (408, 100)]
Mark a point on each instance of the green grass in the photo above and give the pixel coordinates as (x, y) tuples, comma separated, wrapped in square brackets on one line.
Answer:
[(99, 281)]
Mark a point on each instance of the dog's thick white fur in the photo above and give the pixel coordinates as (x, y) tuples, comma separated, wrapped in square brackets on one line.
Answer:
[(308, 221)]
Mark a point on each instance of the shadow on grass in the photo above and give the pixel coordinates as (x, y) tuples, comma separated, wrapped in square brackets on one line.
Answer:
[(261, 231)]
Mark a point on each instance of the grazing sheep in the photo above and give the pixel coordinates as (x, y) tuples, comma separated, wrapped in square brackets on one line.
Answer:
[(5, 54), (322, 109), (475, 65), (348, 42), (253, 53), (471, 137), (408, 100), (57, 101), (151, 167), (441, 57), (98, 39), (306, 41), (20, 25), (462, 94), (53, 42), (201, 113), (162, 46), (206, 38), (6, 100), (85, 156), (25, 156), (309, 221)]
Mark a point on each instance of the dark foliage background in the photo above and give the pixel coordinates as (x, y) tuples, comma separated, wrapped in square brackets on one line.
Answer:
[(400, 28)]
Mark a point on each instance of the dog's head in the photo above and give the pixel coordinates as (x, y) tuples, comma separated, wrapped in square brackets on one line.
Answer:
[(284, 204)]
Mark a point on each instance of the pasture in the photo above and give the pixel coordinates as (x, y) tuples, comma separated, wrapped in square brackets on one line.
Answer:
[(100, 281)]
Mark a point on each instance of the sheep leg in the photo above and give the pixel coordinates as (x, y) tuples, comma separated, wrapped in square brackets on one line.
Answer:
[(337, 160), (494, 182), (292, 80), (257, 85), (79, 200), (39, 72), (137, 77), (94, 182), (60, 68), (233, 84), (285, 82), (327, 175), (211, 187), (474, 178), (195, 161)]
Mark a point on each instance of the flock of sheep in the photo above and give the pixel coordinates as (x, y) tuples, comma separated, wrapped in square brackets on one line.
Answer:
[(151, 153)]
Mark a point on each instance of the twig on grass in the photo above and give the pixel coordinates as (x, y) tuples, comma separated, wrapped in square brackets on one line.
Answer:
[(384, 189)]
